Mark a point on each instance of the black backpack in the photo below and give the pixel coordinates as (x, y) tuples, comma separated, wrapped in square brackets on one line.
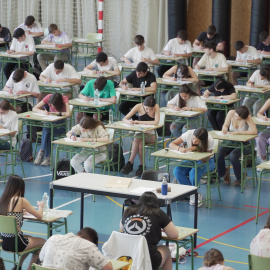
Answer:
[(113, 154), (63, 169), (26, 150)]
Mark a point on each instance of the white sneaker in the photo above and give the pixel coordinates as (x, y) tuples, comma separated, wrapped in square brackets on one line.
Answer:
[(46, 161), (39, 158), (192, 200), (262, 161)]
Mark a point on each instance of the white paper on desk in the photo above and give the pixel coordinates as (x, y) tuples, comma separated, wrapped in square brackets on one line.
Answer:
[(175, 151), (244, 87), (46, 46), (146, 126), (80, 100), (81, 39), (126, 125), (4, 130), (54, 213), (261, 120), (141, 190), (40, 114), (62, 83), (70, 140), (188, 113), (100, 103), (133, 92), (51, 117), (17, 55), (170, 110), (220, 133)]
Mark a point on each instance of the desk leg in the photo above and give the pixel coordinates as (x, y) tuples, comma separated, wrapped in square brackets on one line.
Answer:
[(242, 168), (192, 252), (259, 194), (169, 212), (82, 210), (196, 218), (56, 161), (143, 151), (51, 145)]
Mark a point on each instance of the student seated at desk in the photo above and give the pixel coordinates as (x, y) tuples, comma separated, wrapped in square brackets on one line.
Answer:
[(260, 78), (59, 39), (196, 140), (245, 53), (237, 122), (136, 77), (5, 36), (21, 44), (21, 82), (264, 45), (214, 260), (106, 94), (178, 46), (103, 64), (74, 252), (221, 90), (8, 120), (147, 219), (58, 105), (140, 53), (186, 100), (263, 137), (31, 27), (59, 72), (149, 115), (13, 203), (89, 130)]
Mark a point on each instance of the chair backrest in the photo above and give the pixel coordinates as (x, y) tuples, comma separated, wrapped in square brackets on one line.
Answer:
[(39, 267), (94, 35), (215, 150), (20, 125), (134, 246), (153, 175), (258, 263), (162, 119), (111, 134)]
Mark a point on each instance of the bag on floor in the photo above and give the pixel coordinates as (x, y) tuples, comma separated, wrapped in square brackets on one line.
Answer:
[(63, 169), (113, 154), (26, 150)]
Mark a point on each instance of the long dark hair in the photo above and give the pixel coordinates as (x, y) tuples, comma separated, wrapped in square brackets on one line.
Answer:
[(57, 101), (202, 134), (147, 205), (184, 70), (88, 122), (242, 111), (186, 90), (15, 186)]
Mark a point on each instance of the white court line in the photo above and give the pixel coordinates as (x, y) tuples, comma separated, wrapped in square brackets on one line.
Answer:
[(44, 175), (71, 202), (162, 166)]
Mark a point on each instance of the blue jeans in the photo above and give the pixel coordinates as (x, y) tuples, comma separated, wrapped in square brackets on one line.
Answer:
[(4, 145), (234, 155), (181, 173), (46, 137)]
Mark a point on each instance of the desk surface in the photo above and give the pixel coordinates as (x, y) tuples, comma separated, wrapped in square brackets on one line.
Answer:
[(230, 137), (80, 102), (133, 66), (217, 100), (55, 85), (173, 83), (6, 95), (96, 184), (133, 93), (6, 133), (168, 153), (265, 165), (39, 117), (92, 145), (198, 50), (94, 75), (244, 88), (88, 41), (240, 64), (210, 73), (170, 57), (184, 232), (18, 56), (181, 113), (50, 47), (260, 122), (140, 128)]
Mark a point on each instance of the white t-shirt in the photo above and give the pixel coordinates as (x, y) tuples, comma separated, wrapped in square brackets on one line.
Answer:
[(35, 28), (135, 55), (193, 101), (187, 137), (256, 79), (219, 61), (10, 122), (29, 83), (173, 46), (250, 54), (112, 64), (28, 45), (71, 252), (63, 38)]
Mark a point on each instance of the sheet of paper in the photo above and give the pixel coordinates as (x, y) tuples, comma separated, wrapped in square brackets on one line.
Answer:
[(126, 125), (57, 213), (261, 120), (70, 140), (104, 103), (175, 151), (220, 133), (40, 114), (141, 190), (188, 113), (51, 117), (244, 87), (81, 39), (118, 182), (17, 55), (4, 130), (7, 94), (46, 46), (170, 110), (80, 100)]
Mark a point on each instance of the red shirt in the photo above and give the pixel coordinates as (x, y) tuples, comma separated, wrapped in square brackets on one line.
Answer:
[(52, 109)]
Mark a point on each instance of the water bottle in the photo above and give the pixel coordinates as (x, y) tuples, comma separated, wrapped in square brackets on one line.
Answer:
[(111, 116), (142, 88), (179, 75), (164, 186), (45, 199), (96, 97)]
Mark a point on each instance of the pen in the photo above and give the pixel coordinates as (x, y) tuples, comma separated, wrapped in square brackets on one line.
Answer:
[(44, 108), (73, 134)]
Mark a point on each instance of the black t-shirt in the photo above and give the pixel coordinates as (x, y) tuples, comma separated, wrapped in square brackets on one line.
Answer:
[(148, 226), (263, 47), (149, 78), (228, 90), (203, 37), (5, 34)]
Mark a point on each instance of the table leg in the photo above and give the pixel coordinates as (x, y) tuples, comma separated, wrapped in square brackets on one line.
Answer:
[(82, 210), (192, 252), (51, 145), (143, 151), (259, 194), (66, 227), (242, 167), (56, 161), (196, 218), (208, 186)]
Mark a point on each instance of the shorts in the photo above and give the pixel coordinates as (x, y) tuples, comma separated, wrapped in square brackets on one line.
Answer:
[(9, 242)]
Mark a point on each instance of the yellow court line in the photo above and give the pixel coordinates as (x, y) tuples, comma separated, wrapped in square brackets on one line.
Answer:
[(224, 244), (34, 233), (114, 201)]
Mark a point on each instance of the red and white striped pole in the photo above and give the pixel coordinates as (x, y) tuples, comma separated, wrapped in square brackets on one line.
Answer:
[(100, 19)]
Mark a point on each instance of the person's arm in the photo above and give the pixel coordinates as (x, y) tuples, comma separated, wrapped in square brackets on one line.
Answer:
[(183, 54), (200, 106), (264, 52), (227, 122), (38, 107), (67, 45), (148, 60), (29, 53), (220, 47), (123, 84), (151, 88), (125, 59), (115, 72), (89, 68), (225, 69), (155, 122), (67, 112), (261, 113), (8, 89), (33, 94), (111, 99), (168, 74), (83, 97), (255, 61), (197, 44), (173, 103), (102, 133), (45, 79), (230, 97), (207, 93), (171, 231), (174, 145), (74, 80), (134, 110), (31, 210)]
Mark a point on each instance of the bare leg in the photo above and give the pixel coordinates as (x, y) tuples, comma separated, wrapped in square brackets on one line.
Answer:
[(134, 150), (147, 140), (18, 109), (195, 61), (166, 262), (235, 75)]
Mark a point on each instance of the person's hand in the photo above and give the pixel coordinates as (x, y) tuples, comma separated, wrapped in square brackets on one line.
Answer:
[(21, 92), (208, 69), (235, 132), (82, 139), (46, 112), (206, 94), (91, 99), (134, 89), (265, 118), (143, 59), (9, 51), (240, 60), (167, 53), (40, 203), (186, 108), (176, 108), (224, 130), (263, 52), (94, 71), (10, 90), (48, 80), (131, 122), (86, 98), (60, 80), (182, 150), (1, 126), (136, 122), (73, 138), (124, 86)]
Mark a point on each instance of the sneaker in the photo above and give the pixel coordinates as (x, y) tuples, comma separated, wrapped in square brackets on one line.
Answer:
[(127, 168), (139, 171), (39, 158), (192, 200), (46, 161)]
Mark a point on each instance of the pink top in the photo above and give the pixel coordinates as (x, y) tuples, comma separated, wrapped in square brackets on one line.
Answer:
[(52, 109)]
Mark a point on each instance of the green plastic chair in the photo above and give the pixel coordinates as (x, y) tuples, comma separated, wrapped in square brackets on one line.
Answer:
[(8, 224), (39, 267), (258, 263)]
